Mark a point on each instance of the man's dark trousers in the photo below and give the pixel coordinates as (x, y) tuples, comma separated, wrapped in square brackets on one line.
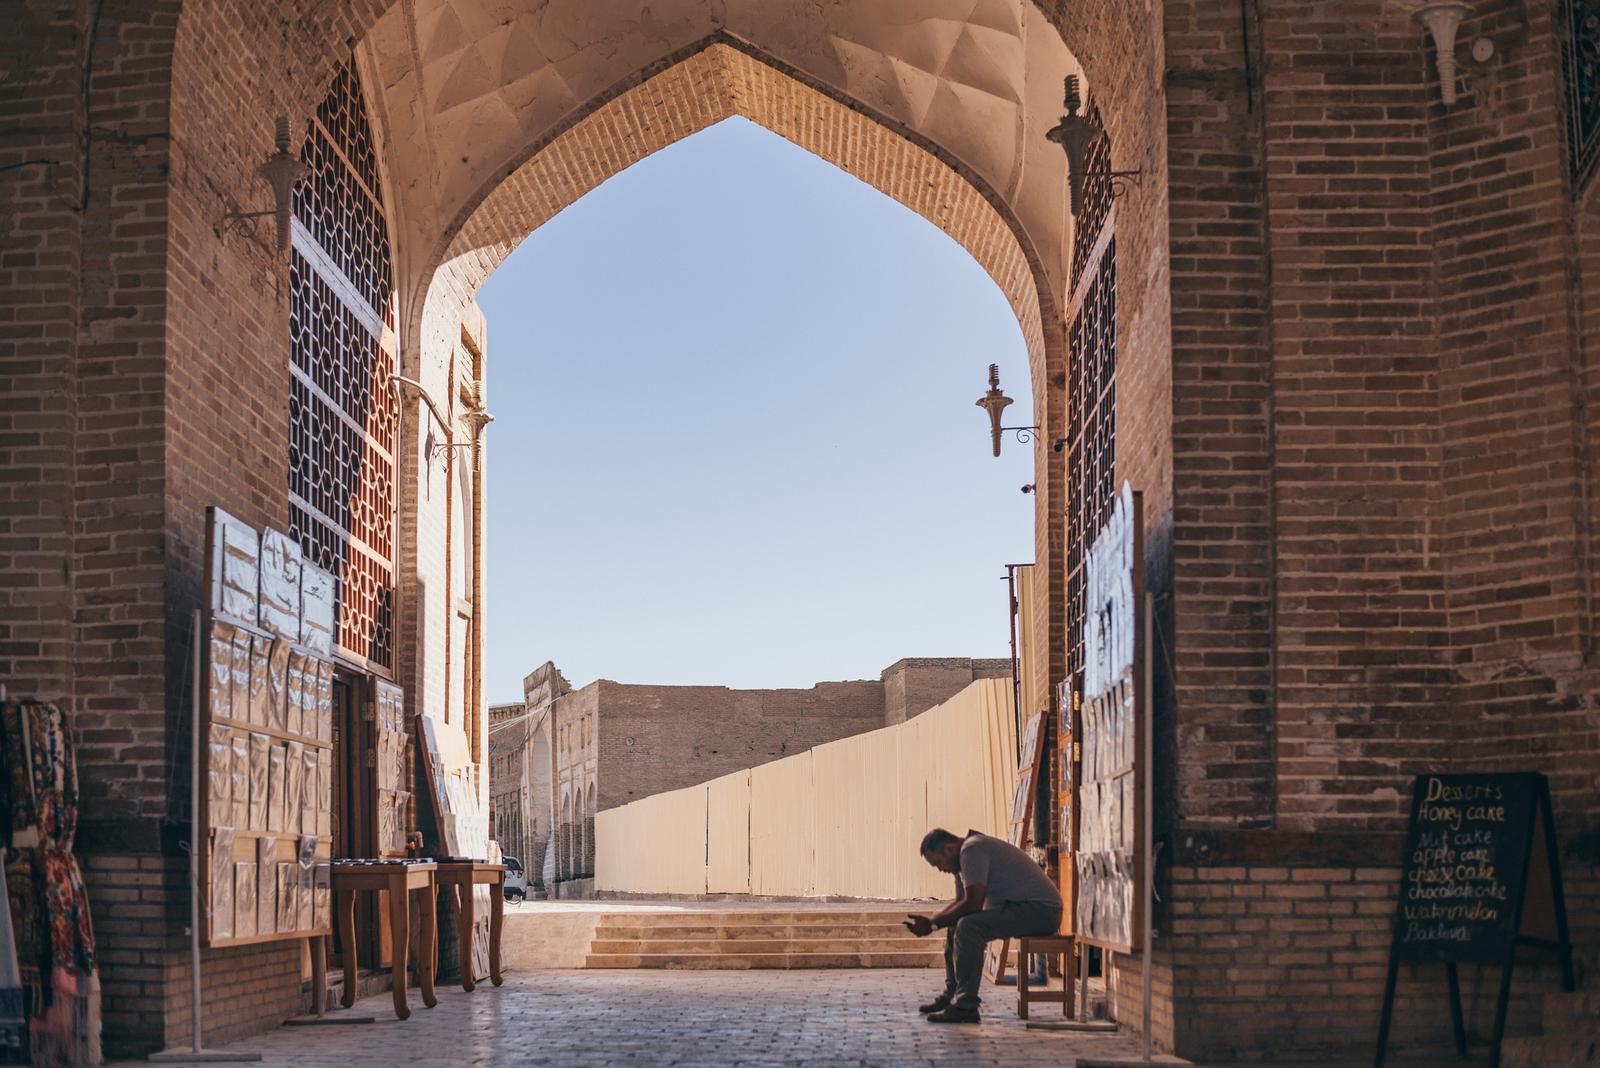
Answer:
[(964, 942)]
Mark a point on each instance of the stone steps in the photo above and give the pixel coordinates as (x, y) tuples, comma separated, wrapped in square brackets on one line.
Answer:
[(737, 917), (742, 961), (745, 931), (741, 939), (841, 944)]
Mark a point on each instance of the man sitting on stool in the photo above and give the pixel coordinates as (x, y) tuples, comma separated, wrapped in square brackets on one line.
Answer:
[(1000, 893)]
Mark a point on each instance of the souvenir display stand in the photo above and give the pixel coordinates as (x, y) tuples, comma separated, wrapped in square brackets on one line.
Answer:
[(453, 783), (262, 760), (1110, 838), (266, 816)]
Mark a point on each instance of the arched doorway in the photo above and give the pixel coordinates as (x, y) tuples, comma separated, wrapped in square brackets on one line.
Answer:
[(940, 131)]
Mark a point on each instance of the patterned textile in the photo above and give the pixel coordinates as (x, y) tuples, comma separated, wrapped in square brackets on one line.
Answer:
[(16, 776), (67, 907), (23, 889), (53, 936), (12, 1012)]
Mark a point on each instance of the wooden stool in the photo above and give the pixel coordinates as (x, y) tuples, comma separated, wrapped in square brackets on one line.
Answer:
[(1062, 946), (462, 876), (398, 880)]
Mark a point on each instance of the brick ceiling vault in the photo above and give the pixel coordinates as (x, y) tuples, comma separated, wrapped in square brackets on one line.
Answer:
[(498, 113), (712, 83)]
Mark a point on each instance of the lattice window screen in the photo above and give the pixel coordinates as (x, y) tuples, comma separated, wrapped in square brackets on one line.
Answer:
[(1092, 385), (1581, 67), (343, 419), (1091, 435)]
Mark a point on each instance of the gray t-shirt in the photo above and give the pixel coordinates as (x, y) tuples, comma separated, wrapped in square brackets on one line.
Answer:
[(1009, 874)]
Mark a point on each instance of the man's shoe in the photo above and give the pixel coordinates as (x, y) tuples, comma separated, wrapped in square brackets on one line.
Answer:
[(938, 1004), (955, 1014)]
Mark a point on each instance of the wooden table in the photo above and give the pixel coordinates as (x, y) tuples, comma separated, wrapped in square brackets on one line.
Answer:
[(398, 880), (463, 875)]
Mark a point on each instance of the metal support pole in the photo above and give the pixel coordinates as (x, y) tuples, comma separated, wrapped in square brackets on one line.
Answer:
[(194, 836), (1146, 755), (1016, 677), (197, 1053)]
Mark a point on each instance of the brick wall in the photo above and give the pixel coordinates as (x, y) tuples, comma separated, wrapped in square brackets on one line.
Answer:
[(1380, 472), (1302, 952), (1376, 448), (911, 687), (655, 738), (42, 120), (1222, 483)]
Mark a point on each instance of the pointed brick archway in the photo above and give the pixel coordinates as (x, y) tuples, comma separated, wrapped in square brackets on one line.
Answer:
[(181, 310), (720, 77), (717, 79), (489, 121)]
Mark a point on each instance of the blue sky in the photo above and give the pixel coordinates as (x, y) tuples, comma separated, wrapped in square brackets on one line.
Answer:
[(735, 437)]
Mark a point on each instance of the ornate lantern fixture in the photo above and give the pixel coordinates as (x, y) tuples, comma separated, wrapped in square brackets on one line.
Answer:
[(283, 170), (1076, 134), (995, 402), (1442, 21)]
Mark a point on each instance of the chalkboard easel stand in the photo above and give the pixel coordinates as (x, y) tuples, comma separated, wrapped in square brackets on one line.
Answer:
[(1542, 827)]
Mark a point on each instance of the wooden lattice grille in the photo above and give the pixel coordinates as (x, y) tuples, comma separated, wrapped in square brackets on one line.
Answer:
[(343, 418)]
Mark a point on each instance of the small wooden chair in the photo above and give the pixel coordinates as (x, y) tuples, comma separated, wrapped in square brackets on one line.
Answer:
[(1063, 947)]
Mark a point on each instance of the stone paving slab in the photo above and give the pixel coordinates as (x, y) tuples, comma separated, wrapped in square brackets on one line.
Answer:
[(857, 1019)]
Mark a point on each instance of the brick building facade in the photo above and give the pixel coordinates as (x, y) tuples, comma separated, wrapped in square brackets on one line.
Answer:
[(1349, 362), (519, 786)]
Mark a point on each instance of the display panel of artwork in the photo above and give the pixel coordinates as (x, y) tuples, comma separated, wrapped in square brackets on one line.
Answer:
[(1108, 847), (267, 731), (391, 751), (344, 418), (463, 822)]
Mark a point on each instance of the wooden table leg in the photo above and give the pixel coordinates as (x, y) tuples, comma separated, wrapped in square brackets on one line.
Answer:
[(319, 975), (345, 905), (497, 916), (399, 938), (428, 951), (464, 919)]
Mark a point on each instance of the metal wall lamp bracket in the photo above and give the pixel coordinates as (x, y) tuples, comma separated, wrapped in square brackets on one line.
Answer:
[(434, 448), (1120, 180), (476, 419), (1024, 433)]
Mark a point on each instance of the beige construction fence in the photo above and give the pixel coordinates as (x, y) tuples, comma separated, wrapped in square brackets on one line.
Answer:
[(840, 820)]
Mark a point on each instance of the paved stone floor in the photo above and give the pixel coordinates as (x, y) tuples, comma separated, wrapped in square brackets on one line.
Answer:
[(646, 1019)]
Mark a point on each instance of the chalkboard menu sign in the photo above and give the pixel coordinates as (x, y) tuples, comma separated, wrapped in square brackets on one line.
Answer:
[(1466, 855), (1475, 848)]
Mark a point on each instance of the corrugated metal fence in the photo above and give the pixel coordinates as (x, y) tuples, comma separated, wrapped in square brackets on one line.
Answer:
[(840, 820)]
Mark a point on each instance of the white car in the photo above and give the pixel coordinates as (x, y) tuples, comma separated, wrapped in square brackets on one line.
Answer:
[(516, 879)]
